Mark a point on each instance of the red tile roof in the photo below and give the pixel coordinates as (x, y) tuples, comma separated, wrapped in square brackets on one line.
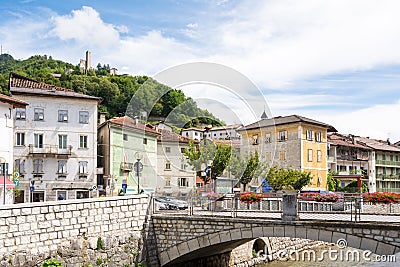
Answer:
[(129, 122), (344, 140), (168, 136), (16, 103), (22, 85), (377, 144)]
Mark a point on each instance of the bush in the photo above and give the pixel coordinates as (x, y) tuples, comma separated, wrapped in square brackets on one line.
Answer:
[(382, 197), (250, 197), (52, 263), (100, 244), (331, 197)]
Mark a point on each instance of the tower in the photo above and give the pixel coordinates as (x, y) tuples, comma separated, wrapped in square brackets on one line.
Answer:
[(88, 61)]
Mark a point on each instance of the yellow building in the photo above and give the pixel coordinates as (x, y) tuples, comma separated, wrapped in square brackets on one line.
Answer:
[(290, 142)]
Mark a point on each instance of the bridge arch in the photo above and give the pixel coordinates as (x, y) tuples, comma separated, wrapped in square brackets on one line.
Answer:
[(225, 240)]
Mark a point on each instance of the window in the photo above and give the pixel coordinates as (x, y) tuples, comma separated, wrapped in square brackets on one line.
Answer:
[(268, 138), (62, 142), (20, 139), (63, 115), (383, 157), (282, 155), (38, 142), (83, 167), (310, 155), (39, 114), (397, 158), (125, 137), (145, 141), (167, 181), (318, 136), (255, 139), (20, 114), (195, 133), (183, 182), (62, 167), (167, 149), (282, 136), (19, 166), (84, 117), (183, 166), (319, 155), (82, 194), (182, 150), (83, 141), (309, 134), (168, 165), (37, 165), (391, 157), (187, 134), (61, 194)]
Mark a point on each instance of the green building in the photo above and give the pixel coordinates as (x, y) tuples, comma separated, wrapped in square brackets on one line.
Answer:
[(124, 146)]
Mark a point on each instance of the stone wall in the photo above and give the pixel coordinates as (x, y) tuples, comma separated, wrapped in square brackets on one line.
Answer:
[(70, 229)]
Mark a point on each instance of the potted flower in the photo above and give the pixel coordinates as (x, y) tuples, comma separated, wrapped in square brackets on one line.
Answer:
[(250, 197)]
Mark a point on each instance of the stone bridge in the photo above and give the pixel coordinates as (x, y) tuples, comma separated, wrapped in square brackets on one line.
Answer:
[(173, 239)]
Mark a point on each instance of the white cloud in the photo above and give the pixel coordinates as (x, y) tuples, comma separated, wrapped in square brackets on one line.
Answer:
[(87, 28)]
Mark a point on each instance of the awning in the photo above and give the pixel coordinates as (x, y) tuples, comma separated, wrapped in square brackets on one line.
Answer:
[(9, 184)]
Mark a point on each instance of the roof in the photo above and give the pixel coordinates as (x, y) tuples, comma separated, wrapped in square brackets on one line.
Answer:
[(345, 140), (377, 144), (127, 121), (16, 103), (193, 129), (234, 143), (281, 120), (168, 136), (22, 85), (233, 126)]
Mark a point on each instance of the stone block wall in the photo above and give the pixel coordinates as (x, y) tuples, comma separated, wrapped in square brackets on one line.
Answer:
[(39, 230)]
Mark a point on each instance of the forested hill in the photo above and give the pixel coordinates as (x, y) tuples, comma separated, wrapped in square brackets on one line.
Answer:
[(116, 91)]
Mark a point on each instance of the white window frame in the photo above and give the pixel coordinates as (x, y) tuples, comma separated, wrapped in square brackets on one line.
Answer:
[(83, 138), (17, 166), (309, 155), (57, 194), (62, 167), (18, 136), (83, 167), (319, 156), (283, 135), (62, 141), (318, 137)]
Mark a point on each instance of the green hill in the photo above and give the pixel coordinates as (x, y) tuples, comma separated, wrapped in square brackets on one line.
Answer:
[(116, 91)]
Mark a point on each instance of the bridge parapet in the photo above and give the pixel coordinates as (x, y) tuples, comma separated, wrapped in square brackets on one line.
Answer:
[(180, 238)]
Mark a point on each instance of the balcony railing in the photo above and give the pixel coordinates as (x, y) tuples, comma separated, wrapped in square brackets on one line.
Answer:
[(382, 176), (127, 166), (50, 150), (387, 162)]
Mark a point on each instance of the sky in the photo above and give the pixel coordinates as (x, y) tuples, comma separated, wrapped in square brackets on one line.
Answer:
[(336, 61)]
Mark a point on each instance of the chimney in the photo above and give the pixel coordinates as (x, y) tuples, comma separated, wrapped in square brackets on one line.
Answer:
[(102, 117), (388, 141), (136, 120)]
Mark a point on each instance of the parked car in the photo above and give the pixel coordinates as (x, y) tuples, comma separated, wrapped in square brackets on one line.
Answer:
[(160, 204), (173, 203)]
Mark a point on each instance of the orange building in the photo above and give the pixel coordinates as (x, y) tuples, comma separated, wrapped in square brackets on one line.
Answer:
[(290, 142)]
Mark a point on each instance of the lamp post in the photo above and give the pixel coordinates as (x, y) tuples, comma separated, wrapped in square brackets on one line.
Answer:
[(4, 170), (138, 167)]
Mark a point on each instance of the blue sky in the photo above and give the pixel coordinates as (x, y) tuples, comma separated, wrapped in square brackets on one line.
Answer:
[(335, 61)]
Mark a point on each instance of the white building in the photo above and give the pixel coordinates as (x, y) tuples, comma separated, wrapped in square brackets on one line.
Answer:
[(221, 132), (7, 104), (175, 176), (55, 142)]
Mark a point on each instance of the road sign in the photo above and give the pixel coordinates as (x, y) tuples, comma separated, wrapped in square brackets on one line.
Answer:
[(94, 187), (136, 166), (16, 182), (16, 175), (32, 188)]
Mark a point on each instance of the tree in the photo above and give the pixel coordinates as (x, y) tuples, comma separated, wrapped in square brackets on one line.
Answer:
[(280, 178), (333, 183), (246, 169), (203, 153)]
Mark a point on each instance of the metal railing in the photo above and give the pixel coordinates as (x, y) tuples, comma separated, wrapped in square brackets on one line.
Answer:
[(350, 208), (50, 149)]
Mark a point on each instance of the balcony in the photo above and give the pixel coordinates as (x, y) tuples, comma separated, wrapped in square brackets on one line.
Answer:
[(127, 166), (387, 162), (381, 176), (51, 150)]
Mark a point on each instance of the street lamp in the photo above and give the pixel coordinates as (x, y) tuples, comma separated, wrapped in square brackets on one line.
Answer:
[(138, 167), (4, 170)]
